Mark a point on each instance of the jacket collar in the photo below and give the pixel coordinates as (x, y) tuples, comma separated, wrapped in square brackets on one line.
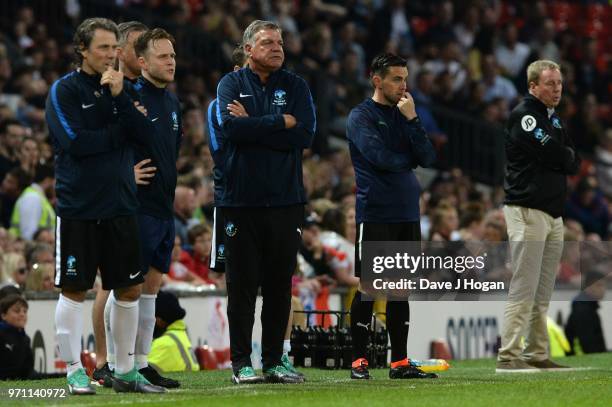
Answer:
[(257, 80), (373, 103), (148, 85), (95, 78), (6, 327), (538, 105)]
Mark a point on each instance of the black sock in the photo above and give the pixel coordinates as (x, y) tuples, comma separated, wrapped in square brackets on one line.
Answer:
[(361, 323), (398, 319)]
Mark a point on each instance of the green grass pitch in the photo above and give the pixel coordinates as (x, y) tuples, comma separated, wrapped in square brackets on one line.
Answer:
[(467, 383)]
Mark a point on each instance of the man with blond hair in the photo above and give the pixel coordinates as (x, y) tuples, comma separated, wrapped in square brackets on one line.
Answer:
[(540, 156), (160, 138)]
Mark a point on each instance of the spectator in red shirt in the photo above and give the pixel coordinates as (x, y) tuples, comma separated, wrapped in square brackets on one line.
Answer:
[(180, 272), (196, 260)]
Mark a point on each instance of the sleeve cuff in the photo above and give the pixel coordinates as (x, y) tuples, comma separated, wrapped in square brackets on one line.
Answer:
[(279, 122), (414, 120), (122, 100)]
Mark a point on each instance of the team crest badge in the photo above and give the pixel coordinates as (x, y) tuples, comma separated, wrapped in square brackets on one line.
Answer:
[(221, 252), (280, 97), (538, 133), (230, 229), (541, 136), (174, 121), (71, 266)]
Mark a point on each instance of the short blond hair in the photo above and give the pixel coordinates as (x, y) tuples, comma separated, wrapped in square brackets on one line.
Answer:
[(535, 69)]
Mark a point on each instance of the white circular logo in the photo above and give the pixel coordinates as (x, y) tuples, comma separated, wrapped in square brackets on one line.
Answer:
[(528, 122)]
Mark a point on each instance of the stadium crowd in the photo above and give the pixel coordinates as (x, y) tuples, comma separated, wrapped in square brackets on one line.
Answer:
[(469, 57)]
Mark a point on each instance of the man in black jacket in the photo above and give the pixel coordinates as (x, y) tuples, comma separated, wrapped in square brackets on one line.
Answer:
[(267, 117), (90, 117), (540, 156)]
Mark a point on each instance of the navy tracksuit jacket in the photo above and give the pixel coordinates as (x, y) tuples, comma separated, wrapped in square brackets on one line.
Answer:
[(93, 160), (262, 159), (159, 140), (385, 147)]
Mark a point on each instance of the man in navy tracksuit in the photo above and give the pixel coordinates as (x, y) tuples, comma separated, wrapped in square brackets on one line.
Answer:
[(160, 140), (216, 145), (268, 118), (105, 353), (90, 116), (386, 142)]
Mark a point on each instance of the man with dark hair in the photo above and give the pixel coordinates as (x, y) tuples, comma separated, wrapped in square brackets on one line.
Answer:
[(12, 133), (216, 142), (105, 354), (90, 117), (386, 142), (239, 57), (33, 210), (267, 118), (29, 155), (13, 184)]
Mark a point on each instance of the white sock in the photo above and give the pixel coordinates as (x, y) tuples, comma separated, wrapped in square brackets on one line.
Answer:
[(124, 324), (286, 346), (110, 346), (69, 330), (146, 324)]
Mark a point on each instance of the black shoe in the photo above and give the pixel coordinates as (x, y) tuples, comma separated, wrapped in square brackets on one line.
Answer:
[(135, 384), (155, 378), (409, 372), (359, 370), (103, 376), (279, 374)]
